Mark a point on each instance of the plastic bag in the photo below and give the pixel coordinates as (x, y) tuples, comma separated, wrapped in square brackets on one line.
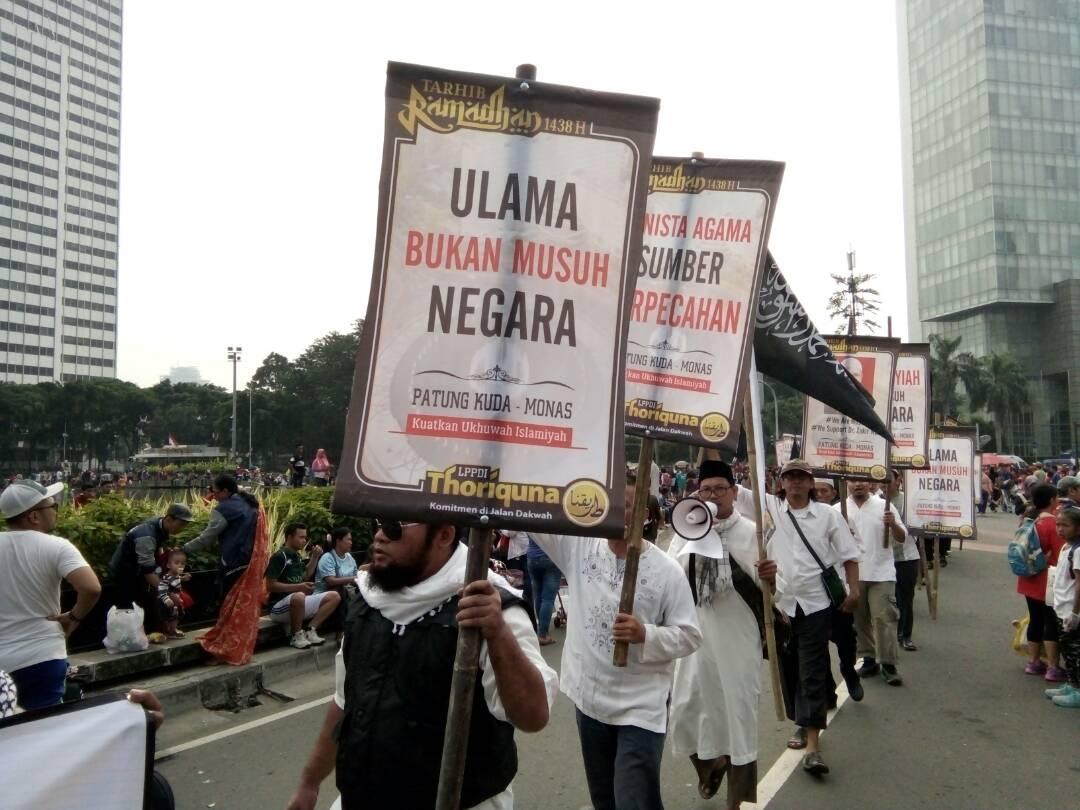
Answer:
[(124, 630), (1019, 642)]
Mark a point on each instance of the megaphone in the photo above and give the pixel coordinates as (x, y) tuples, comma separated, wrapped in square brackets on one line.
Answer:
[(692, 518)]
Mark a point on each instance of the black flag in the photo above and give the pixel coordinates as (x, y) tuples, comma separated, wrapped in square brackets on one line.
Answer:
[(788, 347)]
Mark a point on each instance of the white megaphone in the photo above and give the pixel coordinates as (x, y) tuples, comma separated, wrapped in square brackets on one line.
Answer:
[(692, 518)]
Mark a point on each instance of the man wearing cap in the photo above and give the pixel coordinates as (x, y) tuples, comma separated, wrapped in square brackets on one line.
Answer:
[(714, 700), (876, 615), (384, 729), (32, 565), (134, 563), (799, 524), (1068, 492)]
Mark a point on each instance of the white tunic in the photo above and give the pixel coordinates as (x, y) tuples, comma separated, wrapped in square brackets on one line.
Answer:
[(714, 704)]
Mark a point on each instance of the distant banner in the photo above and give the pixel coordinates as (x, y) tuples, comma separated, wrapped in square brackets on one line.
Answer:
[(910, 415), (834, 444), (941, 500), (784, 448), (692, 319), (489, 381)]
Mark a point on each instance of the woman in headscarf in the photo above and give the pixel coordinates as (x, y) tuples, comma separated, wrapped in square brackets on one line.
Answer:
[(320, 468)]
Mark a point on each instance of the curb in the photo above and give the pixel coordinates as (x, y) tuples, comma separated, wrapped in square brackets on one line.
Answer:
[(225, 688)]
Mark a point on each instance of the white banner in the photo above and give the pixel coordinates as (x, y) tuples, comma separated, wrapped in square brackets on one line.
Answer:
[(784, 448), (941, 499), (910, 414), (834, 444)]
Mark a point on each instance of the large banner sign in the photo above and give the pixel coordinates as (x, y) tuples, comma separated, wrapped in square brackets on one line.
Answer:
[(910, 416), (489, 380), (941, 500), (691, 322), (835, 444), (784, 447)]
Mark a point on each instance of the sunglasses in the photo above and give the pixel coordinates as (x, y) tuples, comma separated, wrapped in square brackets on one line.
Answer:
[(54, 506), (391, 529)]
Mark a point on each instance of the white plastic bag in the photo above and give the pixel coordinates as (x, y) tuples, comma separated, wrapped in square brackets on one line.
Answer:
[(124, 630)]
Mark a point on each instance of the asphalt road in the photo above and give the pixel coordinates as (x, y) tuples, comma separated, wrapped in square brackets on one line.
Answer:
[(967, 730)]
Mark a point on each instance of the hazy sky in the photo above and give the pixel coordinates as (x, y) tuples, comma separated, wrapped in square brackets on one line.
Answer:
[(252, 132)]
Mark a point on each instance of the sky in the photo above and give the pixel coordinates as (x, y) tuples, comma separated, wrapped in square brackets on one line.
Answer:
[(251, 139)]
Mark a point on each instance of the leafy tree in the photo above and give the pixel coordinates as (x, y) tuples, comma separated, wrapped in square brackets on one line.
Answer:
[(854, 304), (1002, 389), (950, 370)]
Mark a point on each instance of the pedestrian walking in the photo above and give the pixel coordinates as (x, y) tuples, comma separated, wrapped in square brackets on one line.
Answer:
[(906, 560), (808, 540), (33, 564), (1067, 609), (384, 729), (545, 579)]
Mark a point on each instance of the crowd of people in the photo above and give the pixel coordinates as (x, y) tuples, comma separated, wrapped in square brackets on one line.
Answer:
[(840, 570)]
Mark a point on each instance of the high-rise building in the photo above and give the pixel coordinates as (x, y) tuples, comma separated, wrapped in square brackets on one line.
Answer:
[(990, 103), (59, 188)]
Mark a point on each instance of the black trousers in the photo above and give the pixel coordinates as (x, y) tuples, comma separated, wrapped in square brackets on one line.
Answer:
[(943, 544), (843, 636), (806, 668), (907, 576)]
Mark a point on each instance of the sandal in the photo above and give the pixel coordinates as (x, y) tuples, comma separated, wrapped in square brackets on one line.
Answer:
[(545, 641), (709, 788), (798, 739)]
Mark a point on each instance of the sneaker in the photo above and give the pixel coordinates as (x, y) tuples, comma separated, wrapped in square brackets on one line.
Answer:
[(1069, 701), (313, 637), (891, 676), (300, 640), (869, 667), (908, 644), (1035, 668), (1058, 691), (1056, 675)]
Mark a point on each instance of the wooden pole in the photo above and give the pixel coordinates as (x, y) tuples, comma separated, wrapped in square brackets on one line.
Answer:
[(934, 576), (466, 665), (886, 536), (766, 592), (633, 551), (921, 544), (467, 655)]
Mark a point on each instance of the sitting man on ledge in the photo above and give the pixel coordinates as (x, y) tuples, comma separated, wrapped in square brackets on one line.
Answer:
[(292, 596)]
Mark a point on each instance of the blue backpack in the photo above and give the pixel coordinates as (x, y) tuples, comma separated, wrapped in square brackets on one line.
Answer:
[(1026, 558)]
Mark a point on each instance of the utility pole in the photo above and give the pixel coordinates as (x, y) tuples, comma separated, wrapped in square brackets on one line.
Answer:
[(851, 291), (251, 426), (234, 357)]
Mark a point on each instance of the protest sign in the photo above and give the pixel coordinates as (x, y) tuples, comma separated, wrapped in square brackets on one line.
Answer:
[(489, 381), (784, 448), (941, 500), (95, 753), (692, 319), (910, 414), (835, 444)]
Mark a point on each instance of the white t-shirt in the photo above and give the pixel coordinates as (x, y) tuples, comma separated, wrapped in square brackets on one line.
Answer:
[(636, 695), (744, 503), (1065, 583), (32, 564), (876, 560)]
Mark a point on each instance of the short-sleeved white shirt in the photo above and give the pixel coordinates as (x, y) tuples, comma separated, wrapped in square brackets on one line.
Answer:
[(32, 564), (1065, 583)]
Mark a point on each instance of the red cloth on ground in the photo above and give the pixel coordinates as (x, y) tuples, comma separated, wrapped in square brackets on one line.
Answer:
[(1051, 544), (232, 639)]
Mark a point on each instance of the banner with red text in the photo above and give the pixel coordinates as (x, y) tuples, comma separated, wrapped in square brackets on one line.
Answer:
[(941, 500), (691, 322), (837, 445), (489, 381), (909, 420)]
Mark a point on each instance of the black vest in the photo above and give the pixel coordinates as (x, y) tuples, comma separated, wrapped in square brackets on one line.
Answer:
[(397, 691)]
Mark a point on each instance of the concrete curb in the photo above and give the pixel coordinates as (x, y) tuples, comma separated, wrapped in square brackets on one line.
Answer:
[(222, 687)]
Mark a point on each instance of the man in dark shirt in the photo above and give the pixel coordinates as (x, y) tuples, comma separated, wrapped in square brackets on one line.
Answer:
[(134, 563), (297, 466), (291, 587)]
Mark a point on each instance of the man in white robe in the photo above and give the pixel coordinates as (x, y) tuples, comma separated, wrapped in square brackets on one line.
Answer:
[(714, 703)]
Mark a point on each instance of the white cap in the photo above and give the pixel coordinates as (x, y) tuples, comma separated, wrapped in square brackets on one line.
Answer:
[(22, 496)]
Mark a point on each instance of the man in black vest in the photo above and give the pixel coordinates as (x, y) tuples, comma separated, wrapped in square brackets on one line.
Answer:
[(384, 730), (134, 563)]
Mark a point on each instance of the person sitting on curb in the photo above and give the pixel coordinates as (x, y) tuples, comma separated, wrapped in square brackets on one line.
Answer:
[(292, 591)]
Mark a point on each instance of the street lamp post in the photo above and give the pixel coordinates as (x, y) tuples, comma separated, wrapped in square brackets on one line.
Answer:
[(234, 357), (251, 426), (776, 410)]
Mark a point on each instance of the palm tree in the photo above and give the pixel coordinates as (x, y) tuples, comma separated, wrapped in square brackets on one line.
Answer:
[(855, 303), (1005, 391), (949, 369)]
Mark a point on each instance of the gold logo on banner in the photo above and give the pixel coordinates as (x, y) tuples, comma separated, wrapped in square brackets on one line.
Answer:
[(676, 182), (918, 460), (966, 531), (877, 472), (714, 427), (586, 502), (442, 114)]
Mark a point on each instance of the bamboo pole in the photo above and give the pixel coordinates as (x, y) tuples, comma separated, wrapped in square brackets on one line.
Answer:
[(934, 576), (635, 543), (766, 592), (466, 666)]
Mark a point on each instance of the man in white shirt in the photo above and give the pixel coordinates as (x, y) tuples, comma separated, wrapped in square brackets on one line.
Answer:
[(876, 615), (33, 563), (906, 562), (384, 730), (800, 525), (622, 712)]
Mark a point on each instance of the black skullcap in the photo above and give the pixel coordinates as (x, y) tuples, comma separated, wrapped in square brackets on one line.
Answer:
[(714, 468)]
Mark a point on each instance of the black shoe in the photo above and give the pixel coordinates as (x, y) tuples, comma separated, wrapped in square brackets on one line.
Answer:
[(814, 764), (854, 686), (869, 667), (832, 700), (908, 644), (944, 562), (891, 676)]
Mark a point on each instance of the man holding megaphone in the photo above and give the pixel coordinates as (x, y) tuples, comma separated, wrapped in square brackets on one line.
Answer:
[(715, 696)]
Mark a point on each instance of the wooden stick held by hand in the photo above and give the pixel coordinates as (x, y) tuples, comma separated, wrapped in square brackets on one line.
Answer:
[(633, 551)]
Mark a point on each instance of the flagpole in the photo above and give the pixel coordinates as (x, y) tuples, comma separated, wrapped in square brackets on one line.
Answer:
[(634, 547), (749, 402)]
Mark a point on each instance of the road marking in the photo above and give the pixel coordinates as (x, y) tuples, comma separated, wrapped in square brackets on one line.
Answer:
[(240, 729), (986, 547), (789, 761)]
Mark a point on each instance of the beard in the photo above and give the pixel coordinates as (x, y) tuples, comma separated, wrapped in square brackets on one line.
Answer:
[(395, 576)]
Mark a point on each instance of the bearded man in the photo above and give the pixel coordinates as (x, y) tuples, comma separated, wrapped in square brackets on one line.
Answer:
[(384, 729)]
